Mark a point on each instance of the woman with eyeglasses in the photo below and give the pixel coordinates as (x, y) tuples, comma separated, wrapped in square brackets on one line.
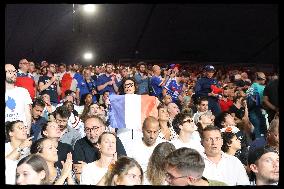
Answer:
[(125, 171), (93, 172), (184, 126)]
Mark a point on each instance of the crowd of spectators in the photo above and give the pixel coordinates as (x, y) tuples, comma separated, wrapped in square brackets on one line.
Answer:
[(211, 126)]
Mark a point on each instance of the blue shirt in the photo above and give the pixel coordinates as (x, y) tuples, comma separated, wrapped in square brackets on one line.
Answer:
[(78, 77), (203, 86), (87, 87), (174, 90), (155, 82), (102, 80), (36, 127), (143, 87)]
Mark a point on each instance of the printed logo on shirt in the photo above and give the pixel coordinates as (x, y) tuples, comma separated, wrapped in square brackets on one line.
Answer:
[(11, 103)]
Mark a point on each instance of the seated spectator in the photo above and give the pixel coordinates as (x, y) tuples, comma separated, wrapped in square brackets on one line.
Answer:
[(47, 149), (264, 166), (219, 165), (37, 120), (125, 171), (167, 132), (202, 107), (52, 131), (85, 149), (173, 110), (141, 150), (49, 108), (184, 126), (93, 172), (231, 143), (74, 121), (155, 174), (185, 166), (32, 170), (68, 134)]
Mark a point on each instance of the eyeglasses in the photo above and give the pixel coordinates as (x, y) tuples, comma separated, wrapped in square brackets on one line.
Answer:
[(94, 128), (171, 177), (128, 85), (188, 120), (11, 71), (61, 121), (212, 139)]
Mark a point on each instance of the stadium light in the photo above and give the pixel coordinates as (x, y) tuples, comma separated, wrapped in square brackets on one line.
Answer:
[(89, 8), (88, 56)]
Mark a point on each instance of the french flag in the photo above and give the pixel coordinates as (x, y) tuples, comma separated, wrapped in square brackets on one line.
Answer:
[(130, 110)]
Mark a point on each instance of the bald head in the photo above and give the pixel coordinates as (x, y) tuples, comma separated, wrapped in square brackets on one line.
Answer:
[(11, 73), (156, 70)]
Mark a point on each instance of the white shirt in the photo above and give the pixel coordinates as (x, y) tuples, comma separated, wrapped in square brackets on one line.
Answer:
[(16, 100), (229, 170), (92, 174), (141, 153), (10, 171), (191, 144)]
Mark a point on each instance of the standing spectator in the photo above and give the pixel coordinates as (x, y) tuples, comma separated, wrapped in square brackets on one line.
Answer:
[(225, 102), (155, 174), (204, 86), (50, 84), (107, 81), (68, 82), (32, 170), (142, 79), (185, 166), (219, 165), (121, 76), (157, 82), (243, 83), (264, 166), (37, 120), (175, 88), (271, 140), (270, 99), (86, 86), (254, 99), (17, 99), (26, 79)]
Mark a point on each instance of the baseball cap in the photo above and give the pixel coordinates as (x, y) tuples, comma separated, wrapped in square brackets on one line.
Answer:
[(256, 154), (209, 68)]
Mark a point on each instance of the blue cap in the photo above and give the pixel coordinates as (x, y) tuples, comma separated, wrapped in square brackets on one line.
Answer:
[(209, 68)]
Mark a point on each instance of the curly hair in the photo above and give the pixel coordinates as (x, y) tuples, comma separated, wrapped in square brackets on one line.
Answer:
[(9, 127), (227, 140), (37, 146), (155, 169), (121, 88), (178, 120)]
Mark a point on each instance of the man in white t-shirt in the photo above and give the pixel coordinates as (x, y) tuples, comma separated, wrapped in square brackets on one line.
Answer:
[(219, 165), (184, 126), (17, 99), (141, 150)]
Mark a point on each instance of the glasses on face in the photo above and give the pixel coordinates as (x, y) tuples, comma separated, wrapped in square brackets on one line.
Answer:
[(11, 71), (213, 139), (171, 177), (128, 85), (94, 128), (188, 120), (61, 120)]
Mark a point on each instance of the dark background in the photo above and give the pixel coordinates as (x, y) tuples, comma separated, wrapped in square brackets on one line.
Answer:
[(229, 33)]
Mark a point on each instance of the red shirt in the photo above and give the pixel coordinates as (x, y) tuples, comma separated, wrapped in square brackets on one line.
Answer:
[(225, 104), (26, 81)]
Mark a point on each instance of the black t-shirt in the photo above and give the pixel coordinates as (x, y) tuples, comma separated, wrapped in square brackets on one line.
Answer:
[(241, 83), (85, 151), (51, 90), (63, 150), (239, 113), (271, 90)]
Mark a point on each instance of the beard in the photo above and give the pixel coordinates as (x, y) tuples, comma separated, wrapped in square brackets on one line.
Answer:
[(10, 80)]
